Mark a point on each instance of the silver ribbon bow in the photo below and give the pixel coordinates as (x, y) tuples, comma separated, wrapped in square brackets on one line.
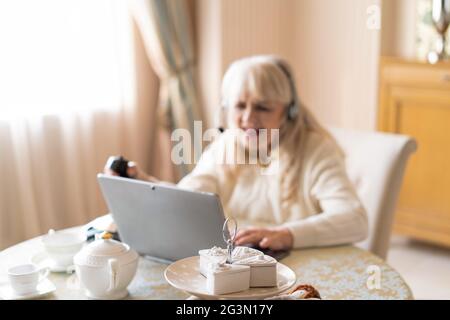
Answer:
[(229, 237)]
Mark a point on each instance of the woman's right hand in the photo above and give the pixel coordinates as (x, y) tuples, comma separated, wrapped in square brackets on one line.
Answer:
[(133, 171)]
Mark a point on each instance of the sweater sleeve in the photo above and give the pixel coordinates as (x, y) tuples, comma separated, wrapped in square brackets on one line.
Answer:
[(343, 218), (204, 176)]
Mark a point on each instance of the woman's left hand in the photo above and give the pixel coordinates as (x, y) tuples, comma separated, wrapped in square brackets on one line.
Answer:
[(276, 238)]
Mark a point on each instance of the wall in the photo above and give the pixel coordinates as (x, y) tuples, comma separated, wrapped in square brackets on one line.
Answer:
[(208, 31), (337, 65), (334, 55), (399, 28)]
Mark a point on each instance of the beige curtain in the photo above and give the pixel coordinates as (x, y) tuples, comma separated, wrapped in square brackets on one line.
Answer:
[(166, 27), (48, 163)]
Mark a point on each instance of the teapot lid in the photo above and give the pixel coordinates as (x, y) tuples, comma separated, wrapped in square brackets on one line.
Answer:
[(98, 252), (105, 248)]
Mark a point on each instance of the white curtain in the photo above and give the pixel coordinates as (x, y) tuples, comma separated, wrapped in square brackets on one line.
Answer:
[(75, 87)]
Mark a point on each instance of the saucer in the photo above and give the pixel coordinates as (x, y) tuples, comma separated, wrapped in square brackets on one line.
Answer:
[(185, 275), (42, 259), (44, 288)]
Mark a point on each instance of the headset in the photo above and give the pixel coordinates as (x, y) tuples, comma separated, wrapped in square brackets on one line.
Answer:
[(293, 107)]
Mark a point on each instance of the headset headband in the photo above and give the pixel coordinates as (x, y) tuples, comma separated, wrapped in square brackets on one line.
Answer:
[(293, 107)]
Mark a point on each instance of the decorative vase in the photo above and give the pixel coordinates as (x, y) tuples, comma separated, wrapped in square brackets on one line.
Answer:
[(440, 16)]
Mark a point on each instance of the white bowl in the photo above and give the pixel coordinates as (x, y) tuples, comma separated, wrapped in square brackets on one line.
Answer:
[(62, 246)]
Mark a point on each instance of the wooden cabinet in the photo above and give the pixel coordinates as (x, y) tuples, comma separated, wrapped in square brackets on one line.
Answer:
[(415, 100)]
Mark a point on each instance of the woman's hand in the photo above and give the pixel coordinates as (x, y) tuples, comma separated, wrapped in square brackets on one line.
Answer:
[(276, 238), (133, 171)]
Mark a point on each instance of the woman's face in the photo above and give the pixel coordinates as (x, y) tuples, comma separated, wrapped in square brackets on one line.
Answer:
[(251, 115)]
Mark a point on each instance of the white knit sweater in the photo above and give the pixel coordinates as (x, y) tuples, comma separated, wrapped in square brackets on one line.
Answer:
[(327, 210)]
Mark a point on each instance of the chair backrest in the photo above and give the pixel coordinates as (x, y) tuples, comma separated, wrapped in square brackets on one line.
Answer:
[(375, 164)]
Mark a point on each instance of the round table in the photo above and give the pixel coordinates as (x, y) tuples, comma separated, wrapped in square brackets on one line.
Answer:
[(340, 272)]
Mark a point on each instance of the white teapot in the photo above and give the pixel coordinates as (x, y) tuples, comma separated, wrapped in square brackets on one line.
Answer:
[(106, 267)]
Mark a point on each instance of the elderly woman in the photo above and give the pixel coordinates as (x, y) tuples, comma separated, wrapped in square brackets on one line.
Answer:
[(304, 198)]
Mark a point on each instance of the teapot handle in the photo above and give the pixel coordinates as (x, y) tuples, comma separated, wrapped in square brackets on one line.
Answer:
[(113, 268)]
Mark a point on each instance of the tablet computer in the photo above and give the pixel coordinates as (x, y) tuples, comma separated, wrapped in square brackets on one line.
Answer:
[(164, 222)]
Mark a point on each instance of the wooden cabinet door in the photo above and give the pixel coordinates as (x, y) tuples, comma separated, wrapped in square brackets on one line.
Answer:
[(423, 209)]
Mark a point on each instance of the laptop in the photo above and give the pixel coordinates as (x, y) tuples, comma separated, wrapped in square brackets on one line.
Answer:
[(163, 222)]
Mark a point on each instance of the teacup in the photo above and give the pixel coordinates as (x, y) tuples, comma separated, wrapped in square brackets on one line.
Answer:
[(25, 278), (61, 246)]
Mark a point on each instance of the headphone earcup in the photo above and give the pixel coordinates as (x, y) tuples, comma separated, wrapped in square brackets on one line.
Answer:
[(293, 111)]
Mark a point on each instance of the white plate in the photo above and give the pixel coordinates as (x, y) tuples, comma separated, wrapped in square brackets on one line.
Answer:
[(42, 259), (185, 275), (44, 288)]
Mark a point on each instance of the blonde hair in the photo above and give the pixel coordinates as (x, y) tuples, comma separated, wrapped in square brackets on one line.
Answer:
[(270, 78)]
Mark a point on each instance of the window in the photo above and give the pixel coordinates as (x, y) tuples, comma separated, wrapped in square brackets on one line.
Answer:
[(59, 56)]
